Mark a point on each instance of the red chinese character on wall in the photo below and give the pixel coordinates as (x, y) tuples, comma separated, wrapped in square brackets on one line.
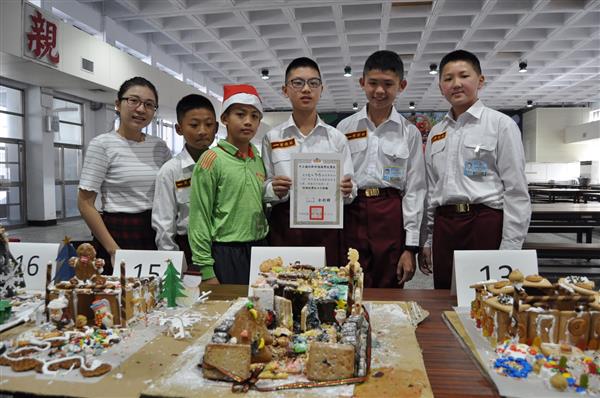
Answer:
[(41, 41)]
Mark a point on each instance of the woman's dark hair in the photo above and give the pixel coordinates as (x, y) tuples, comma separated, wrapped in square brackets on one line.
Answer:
[(136, 81)]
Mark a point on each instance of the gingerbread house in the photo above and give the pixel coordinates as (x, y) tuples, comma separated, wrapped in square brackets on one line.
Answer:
[(299, 319), (566, 312)]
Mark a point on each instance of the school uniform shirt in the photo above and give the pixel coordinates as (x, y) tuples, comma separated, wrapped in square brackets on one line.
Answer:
[(286, 139), (225, 202), (389, 156), (171, 207), (122, 171), (479, 158)]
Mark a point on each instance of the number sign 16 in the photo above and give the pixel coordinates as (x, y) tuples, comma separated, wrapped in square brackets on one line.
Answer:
[(33, 258)]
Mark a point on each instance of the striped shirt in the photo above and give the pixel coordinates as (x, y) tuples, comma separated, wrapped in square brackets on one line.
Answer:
[(122, 171)]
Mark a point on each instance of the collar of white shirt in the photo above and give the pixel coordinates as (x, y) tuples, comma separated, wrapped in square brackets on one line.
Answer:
[(475, 110), (290, 128), (185, 158), (394, 115)]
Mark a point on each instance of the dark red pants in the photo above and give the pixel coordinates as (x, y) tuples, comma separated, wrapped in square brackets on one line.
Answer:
[(478, 229), (280, 234), (131, 231), (374, 226)]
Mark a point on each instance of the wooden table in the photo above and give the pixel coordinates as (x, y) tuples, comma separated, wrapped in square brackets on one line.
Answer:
[(574, 194), (571, 213), (451, 370)]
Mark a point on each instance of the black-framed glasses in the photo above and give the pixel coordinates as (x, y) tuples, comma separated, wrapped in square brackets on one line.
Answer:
[(134, 102), (298, 83)]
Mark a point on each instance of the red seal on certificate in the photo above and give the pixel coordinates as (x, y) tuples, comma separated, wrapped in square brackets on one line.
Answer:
[(316, 212)]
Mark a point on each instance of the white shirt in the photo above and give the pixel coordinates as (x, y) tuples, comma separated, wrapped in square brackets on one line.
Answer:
[(389, 156), (287, 136), (171, 208), (122, 171), (489, 136)]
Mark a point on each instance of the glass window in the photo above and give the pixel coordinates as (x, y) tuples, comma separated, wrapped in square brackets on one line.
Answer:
[(58, 190), (73, 163), (71, 122), (11, 100), (68, 111), (69, 134), (11, 126), (71, 201), (57, 164)]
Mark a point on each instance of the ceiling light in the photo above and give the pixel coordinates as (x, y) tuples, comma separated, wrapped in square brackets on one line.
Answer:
[(433, 69), (347, 71), (522, 67), (264, 74), (529, 103), (355, 106), (411, 105)]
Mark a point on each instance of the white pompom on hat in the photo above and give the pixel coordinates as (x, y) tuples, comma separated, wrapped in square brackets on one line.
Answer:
[(240, 94)]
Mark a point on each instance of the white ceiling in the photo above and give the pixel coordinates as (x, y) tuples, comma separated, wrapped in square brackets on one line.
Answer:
[(232, 40)]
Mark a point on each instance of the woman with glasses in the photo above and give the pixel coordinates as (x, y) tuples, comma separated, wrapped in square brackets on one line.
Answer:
[(121, 166)]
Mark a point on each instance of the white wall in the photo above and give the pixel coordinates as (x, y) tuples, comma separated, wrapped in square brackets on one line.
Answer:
[(544, 130)]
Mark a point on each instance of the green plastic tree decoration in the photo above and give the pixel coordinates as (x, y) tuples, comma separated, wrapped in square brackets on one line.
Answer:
[(172, 287)]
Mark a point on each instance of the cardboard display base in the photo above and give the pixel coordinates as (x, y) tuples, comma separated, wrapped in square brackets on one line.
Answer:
[(397, 363), (464, 328), (128, 379)]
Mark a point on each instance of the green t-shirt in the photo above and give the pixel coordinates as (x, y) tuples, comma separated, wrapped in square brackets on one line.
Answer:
[(225, 202)]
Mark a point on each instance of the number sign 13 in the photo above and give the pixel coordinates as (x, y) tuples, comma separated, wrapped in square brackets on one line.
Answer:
[(472, 266), (146, 262), (34, 258)]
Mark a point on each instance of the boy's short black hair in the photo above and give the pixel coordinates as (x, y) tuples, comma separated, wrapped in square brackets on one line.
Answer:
[(384, 60), (193, 101), (302, 62), (461, 55)]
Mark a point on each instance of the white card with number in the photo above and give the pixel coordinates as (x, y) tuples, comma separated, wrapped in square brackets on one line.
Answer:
[(146, 262), (34, 258), (472, 266)]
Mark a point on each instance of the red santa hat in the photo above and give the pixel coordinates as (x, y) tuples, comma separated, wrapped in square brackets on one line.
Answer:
[(240, 94)]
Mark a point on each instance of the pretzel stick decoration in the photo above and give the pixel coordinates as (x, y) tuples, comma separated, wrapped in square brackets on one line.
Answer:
[(516, 278), (48, 281), (123, 288)]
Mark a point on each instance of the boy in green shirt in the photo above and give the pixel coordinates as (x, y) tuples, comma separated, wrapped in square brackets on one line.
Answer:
[(226, 211)]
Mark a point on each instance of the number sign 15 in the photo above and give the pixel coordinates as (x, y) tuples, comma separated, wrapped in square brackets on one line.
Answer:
[(146, 262)]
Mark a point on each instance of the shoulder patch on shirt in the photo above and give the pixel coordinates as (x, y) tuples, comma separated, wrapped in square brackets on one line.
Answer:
[(207, 159), (283, 144), (356, 134), (183, 183), (438, 137)]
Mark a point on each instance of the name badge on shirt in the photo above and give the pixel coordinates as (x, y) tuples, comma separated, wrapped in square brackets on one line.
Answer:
[(356, 134), (475, 168), (183, 183), (283, 144), (393, 174)]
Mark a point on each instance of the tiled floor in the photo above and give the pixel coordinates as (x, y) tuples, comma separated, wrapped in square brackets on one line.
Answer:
[(77, 230)]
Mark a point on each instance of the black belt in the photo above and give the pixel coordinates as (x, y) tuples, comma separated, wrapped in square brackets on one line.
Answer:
[(460, 208), (378, 192)]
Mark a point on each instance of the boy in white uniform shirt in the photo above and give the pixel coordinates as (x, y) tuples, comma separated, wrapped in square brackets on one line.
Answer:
[(383, 221), (304, 132), (196, 122), (477, 196)]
